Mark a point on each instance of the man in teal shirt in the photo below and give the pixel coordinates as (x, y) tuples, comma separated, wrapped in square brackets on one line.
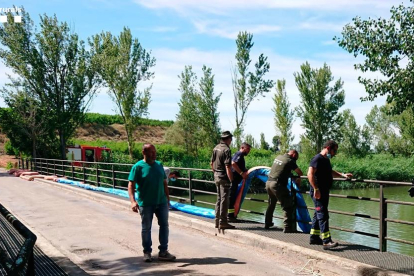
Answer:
[(153, 198)]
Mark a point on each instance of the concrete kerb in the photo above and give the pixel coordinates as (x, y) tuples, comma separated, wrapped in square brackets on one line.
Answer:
[(329, 264)]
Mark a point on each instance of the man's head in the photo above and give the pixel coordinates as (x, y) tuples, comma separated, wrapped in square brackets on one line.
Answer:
[(149, 152), (173, 175), (226, 137), (294, 154), (245, 148), (331, 146)]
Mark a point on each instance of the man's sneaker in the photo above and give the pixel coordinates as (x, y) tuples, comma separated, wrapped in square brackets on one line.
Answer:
[(268, 225), (147, 257), (226, 226), (316, 241), (166, 256), (330, 245)]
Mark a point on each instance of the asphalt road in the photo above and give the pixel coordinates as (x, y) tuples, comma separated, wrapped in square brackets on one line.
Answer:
[(103, 239)]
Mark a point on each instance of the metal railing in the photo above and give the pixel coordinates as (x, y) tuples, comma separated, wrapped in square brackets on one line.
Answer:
[(115, 175), (25, 255)]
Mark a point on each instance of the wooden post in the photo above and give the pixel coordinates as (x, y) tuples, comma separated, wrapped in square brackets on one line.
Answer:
[(113, 177), (190, 188)]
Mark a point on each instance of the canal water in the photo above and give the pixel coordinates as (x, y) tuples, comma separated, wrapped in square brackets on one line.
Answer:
[(397, 231)]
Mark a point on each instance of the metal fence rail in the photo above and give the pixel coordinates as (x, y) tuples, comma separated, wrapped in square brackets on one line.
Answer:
[(14, 263), (115, 175)]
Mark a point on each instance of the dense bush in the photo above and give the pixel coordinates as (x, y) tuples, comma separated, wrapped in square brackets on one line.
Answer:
[(105, 119), (9, 149)]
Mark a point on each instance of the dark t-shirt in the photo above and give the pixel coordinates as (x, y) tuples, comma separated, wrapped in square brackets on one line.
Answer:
[(221, 157), (281, 168), (323, 175), (238, 158)]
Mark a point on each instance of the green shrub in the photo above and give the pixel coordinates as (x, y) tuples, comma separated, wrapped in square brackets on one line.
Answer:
[(9, 149), (9, 165), (105, 119)]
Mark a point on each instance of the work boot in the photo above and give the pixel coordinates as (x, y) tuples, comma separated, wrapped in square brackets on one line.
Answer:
[(317, 241), (268, 225), (232, 219), (226, 226), (166, 256), (288, 230), (330, 245), (216, 223)]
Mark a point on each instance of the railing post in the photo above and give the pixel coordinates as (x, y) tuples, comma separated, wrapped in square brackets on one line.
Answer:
[(113, 177), (27, 163), (383, 222), (31, 164), (190, 188), (47, 167), (72, 170), (54, 167), (22, 164), (97, 174), (19, 167), (83, 170)]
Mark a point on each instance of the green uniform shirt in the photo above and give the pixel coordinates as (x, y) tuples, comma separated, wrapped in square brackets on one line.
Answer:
[(281, 168), (149, 181), (221, 157)]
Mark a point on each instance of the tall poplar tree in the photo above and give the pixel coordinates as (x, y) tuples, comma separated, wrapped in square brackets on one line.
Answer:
[(284, 116), (247, 85), (123, 64), (320, 103)]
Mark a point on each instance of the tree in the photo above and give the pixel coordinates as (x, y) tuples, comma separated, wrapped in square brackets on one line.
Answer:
[(284, 117), (207, 105), (123, 64), (276, 143), (263, 144), (247, 85), (354, 142), (54, 66), (249, 139), (320, 103), (386, 45), (188, 116)]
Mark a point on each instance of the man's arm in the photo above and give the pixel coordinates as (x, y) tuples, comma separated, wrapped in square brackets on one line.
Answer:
[(167, 192), (131, 190), (311, 178), (238, 170), (300, 173), (344, 175), (229, 173)]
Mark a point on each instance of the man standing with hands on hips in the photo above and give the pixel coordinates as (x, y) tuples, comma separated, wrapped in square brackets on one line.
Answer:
[(223, 176), (320, 175)]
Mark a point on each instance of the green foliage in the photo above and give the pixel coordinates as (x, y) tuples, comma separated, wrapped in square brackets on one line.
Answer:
[(386, 45), (249, 139), (247, 85), (9, 165), (123, 63), (9, 149), (263, 144), (320, 103), (354, 142), (105, 119), (52, 67), (284, 117)]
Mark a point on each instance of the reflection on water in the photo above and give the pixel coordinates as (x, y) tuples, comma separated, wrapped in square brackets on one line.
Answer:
[(395, 211)]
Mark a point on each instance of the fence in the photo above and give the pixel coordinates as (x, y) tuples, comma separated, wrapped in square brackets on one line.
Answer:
[(115, 175)]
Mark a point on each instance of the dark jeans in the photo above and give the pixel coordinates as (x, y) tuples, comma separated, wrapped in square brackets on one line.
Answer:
[(279, 192), (147, 214), (222, 204), (237, 178), (320, 220)]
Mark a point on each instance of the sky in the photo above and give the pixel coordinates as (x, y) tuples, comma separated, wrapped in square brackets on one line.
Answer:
[(199, 32)]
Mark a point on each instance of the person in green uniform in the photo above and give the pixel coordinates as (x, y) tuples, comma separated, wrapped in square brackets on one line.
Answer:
[(152, 198), (276, 187)]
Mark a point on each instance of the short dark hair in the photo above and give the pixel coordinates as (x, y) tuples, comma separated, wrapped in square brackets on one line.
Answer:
[(330, 144), (244, 144), (177, 173)]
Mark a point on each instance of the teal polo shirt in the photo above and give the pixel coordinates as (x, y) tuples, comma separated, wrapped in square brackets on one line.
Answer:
[(149, 181)]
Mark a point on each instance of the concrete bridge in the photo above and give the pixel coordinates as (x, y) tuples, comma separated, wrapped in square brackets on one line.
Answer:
[(90, 233)]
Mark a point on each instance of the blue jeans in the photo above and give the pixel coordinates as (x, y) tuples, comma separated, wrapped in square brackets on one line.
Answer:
[(147, 213)]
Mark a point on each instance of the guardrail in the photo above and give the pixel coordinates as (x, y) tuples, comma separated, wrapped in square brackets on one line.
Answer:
[(24, 257), (116, 174)]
